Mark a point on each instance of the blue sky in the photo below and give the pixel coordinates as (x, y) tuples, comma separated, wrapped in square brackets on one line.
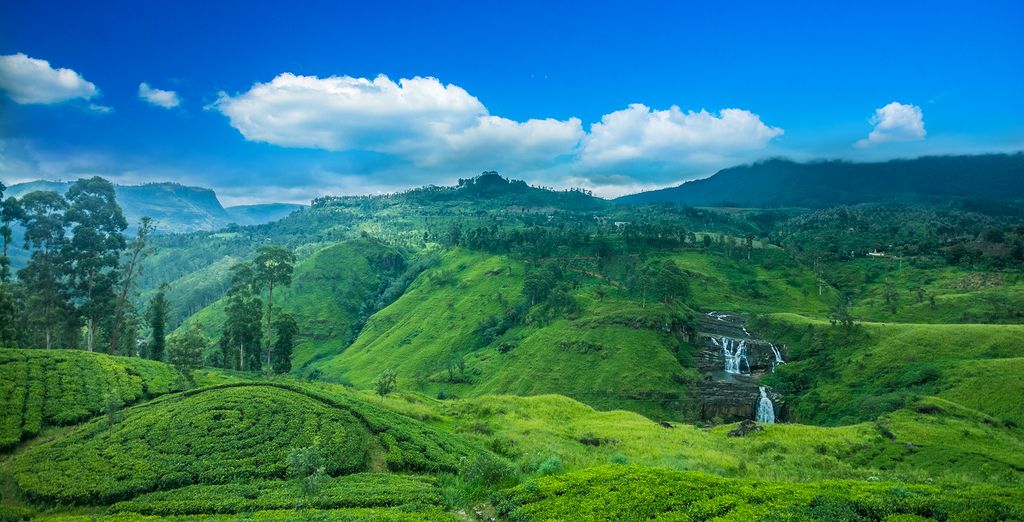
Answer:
[(265, 103)]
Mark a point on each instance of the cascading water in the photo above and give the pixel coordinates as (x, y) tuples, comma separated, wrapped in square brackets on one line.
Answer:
[(734, 351), (765, 408), (778, 356)]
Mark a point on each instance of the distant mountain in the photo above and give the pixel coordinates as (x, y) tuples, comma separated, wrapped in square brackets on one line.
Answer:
[(259, 214), (784, 183), (173, 207)]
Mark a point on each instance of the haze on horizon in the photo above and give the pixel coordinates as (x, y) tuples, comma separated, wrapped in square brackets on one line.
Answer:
[(268, 105)]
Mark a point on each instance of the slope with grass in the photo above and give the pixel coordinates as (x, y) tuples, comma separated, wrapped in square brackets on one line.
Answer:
[(839, 376), (638, 493), (61, 387), (328, 295), (443, 336), (227, 434)]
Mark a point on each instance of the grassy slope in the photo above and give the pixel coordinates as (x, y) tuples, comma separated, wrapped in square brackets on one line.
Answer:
[(883, 366), (327, 292), (960, 295), (437, 320), (951, 444)]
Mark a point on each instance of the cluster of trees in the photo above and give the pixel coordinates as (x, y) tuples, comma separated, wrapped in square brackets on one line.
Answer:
[(77, 285), (248, 342)]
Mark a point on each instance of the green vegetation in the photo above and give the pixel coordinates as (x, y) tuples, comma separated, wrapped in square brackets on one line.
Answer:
[(496, 349), (61, 387), (638, 493)]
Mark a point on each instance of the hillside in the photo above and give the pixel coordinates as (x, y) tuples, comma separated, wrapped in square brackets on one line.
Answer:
[(263, 213), (784, 183)]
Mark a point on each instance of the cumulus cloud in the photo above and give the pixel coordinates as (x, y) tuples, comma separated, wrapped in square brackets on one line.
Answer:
[(639, 133), (893, 123), (30, 80), (158, 97), (441, 128), (419, 119)]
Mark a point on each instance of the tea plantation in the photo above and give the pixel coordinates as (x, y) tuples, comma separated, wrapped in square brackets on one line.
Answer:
[(59, 387)]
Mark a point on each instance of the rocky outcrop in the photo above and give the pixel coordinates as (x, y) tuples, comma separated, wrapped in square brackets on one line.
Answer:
[(733, 395), (745, 428)]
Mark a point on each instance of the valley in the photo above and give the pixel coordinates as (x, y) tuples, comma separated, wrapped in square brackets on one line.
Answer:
[(497, 351)]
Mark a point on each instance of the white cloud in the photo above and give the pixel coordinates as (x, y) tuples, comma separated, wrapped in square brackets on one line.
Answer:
[(420, 120), (893, 123), (158, 97), (672, 136), (442, 130), (30, 80)]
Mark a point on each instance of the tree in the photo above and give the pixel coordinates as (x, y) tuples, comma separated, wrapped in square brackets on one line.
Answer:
[(10, 211), (47, 303), (94, 249), (185, 350), (385, 383), (672, 282), (286, 328), (156, 317), (242, 325), (138, 252), (840, 314), (273, 266)]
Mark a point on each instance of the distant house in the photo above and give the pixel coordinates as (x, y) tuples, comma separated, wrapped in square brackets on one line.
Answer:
[(876, 253)]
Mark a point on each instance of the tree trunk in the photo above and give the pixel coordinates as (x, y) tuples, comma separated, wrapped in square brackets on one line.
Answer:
[(47, 338), (241, 357), (90, 333)]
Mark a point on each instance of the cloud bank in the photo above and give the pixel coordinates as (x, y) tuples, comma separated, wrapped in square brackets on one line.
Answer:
[(33, 81), (428, 124), (158, 97), (895, 122)]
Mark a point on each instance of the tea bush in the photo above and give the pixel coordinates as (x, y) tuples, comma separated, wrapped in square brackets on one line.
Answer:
[(40, 387)]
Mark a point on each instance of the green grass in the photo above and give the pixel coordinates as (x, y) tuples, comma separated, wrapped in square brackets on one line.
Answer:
[(638, 493), (835, 377), (924, 293), (612, 353), (60, 387), (923, 447)]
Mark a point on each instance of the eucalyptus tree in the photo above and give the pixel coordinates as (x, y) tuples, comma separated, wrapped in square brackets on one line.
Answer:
[(272, 267), (93, 252), (47, 302), (242, 325), (131, 268), (156, 317)]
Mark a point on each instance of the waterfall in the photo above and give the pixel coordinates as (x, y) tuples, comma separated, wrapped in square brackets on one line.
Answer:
[(765, 408), (778, 356), (734, 351)]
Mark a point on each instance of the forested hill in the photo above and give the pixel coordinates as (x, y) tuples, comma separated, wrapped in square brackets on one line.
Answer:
[(173, 207), (784, 183)]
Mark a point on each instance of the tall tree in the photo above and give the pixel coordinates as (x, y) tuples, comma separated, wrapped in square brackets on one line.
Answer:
[(185, 350), (287, 329), (672, 282), (273, 267), (10, 211), (138, 252), (156, 317), (242, 327), (94, 249), (46, 298)]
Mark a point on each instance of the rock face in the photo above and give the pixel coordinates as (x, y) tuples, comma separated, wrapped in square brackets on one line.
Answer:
[(733, 395)]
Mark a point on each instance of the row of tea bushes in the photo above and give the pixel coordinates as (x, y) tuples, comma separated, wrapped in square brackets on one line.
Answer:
[(59, 387)]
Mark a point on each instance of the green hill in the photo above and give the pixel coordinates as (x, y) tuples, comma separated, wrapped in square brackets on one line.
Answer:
[(784, 183), (227, 433), (61, 387)]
